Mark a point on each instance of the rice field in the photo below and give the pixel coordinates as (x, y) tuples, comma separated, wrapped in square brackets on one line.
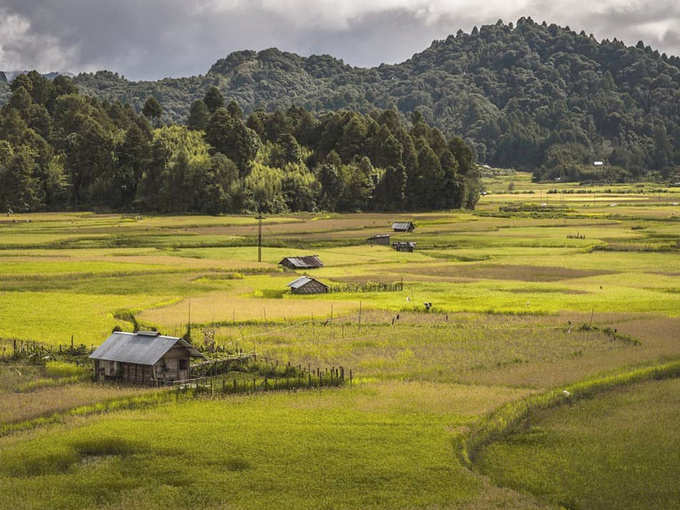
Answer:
[(542, 286), (617, 450)]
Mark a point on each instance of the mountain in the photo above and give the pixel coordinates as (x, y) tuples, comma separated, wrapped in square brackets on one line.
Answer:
[(525, 95)]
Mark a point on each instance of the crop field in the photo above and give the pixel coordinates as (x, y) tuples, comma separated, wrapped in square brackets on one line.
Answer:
[(619, 450), (544, 285)]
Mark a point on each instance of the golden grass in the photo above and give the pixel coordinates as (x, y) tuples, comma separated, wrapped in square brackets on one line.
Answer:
[(227, 307), (16, 407)]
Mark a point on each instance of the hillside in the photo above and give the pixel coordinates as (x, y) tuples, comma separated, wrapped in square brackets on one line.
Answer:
[(531, 96), (527, 95)]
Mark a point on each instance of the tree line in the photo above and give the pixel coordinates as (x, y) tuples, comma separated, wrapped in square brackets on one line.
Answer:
[(62, 149)]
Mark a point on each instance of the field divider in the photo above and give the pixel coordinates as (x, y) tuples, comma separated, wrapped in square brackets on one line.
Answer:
[(510, 416)]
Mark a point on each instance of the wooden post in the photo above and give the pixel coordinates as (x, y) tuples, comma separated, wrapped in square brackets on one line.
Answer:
[(259, 238)]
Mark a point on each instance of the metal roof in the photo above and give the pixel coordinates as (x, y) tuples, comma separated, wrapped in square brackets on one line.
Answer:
[(141, 348), (403, 225), (302, 281), (299, 282), (306, 262)]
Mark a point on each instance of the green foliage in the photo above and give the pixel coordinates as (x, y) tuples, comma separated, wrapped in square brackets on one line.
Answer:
[(72, 150), (152, 108), (198, 115), (213, 99)]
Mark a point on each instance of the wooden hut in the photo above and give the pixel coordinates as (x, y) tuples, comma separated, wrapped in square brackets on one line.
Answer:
[(379, 239), (404, 246), (145, 357), (307, 285), (305, 262), (403, 226)]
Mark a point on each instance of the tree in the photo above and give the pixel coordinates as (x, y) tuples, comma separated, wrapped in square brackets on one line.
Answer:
[(291, 152), (235, 110), (213, 99), (232, 138), (18, 189), (152, 109), (199, 115), (134, 154)]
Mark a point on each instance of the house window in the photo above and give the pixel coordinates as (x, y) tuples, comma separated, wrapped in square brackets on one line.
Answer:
[(183, 364)]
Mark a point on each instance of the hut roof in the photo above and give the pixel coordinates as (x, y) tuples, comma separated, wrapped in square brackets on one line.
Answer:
[(305, 262), (302, 281), (401, 226), (141, 348)]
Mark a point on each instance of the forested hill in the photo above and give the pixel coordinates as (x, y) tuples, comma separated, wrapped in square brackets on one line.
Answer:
[(529, 95)]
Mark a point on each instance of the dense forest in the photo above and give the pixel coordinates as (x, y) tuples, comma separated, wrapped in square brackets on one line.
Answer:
[(59, 148), (525, 95)]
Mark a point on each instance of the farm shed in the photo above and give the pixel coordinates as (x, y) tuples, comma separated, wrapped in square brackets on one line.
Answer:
[(403, 226), (145, 357), (383, 239), (307, 285), (306, 262), (404, 246)]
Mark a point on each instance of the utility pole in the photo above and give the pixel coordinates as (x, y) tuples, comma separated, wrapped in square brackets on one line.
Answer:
[(259, 238), (188, 333)]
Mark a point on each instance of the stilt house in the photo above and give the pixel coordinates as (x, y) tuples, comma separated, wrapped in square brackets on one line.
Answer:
[(145, 357)]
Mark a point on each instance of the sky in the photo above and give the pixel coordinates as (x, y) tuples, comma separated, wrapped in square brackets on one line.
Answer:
[(152, 39)]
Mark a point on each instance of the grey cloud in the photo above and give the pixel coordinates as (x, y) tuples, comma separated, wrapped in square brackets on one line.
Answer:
[(150, 39)]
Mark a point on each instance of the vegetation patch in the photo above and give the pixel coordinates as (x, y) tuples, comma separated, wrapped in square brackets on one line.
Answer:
[(507, 272)]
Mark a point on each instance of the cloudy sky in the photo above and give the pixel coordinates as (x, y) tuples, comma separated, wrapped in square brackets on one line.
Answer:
[(150, 39)]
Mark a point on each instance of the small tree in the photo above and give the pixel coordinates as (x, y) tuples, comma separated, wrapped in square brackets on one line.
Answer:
[(152, 109), (213, 99)]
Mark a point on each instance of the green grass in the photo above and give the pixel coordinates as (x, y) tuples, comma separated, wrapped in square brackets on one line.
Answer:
[(615, 450), (348, 448)]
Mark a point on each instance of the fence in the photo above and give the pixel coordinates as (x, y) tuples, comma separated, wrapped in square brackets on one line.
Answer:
[(329, 377), (15, 350), (368, 287)]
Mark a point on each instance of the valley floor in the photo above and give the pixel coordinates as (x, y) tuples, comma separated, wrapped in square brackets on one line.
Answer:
[(531, 292)]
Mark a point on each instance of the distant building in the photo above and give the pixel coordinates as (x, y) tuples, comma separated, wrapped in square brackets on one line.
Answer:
[(404, 246), (307, 285), (383, 239), (403, 226), (145, 357), (306, 262), (598, 163)]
